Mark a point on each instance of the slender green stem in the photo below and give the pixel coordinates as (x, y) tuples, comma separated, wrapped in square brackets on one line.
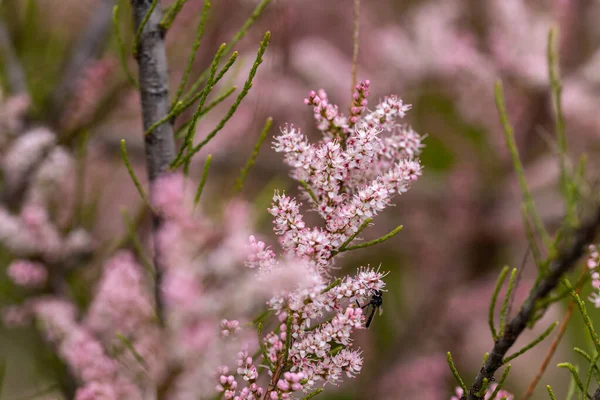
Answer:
[(550, 392), (591, 371), (333, 284), (484, 386), (512, 146), (171, 14), (461, 383), (575, 375), (587, 321), (374, 242), (176, 110), (207, 109), (244, 172), (193, 52), (121, 45), (499, 283), (191, 133), (313, 394), (501, 382), (247, 86), (132, 174), (531, 239), (138, 357), (263, 348), (344, 245), (561, 137), (138, 35), (203, 179), (238, 36), (537, 340), (504, 309), (310, 192), (137, 245), (288, 336)]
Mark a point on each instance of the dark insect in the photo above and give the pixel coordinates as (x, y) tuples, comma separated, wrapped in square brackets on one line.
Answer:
[(376, 303)]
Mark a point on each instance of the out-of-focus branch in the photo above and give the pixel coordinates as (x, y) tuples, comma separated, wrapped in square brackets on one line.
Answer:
[(562, 263), (554, 345), (596, 395), (15, 76), (89, 47), (154, 92)]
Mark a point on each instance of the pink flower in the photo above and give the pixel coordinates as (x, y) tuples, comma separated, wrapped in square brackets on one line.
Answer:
[(27, 273)]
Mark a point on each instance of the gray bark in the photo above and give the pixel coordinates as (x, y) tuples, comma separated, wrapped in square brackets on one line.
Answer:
[(154, 92)]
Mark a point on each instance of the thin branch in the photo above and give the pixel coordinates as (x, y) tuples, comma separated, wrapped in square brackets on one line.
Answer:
[(566, 258), (154, 93), (561, 332), (15, 75), (89, 47)]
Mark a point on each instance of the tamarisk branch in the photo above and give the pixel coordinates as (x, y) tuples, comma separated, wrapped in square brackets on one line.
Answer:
[(154, 92), (562, 263)]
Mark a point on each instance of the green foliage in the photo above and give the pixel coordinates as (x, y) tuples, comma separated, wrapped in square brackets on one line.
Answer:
[(137, 244), (247, 86), (121, 45), (238, 36), (196, 45), (550, 392), (132, 174), (501, 382), (499, 283), (532, 344), (244, 172), (170, 14), (313, 394), (504, 309), (203, 179), (575, 375), (129, 346), (531, 210), (373, 242), (138, 35), (460, 381)]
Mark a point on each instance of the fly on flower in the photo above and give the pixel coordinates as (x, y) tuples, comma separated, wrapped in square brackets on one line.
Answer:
[(375, 304)]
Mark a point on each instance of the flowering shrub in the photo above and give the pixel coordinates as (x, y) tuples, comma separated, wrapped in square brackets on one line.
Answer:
[(213, 282)]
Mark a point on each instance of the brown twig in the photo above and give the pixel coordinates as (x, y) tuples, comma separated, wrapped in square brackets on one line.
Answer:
[(562, 263), (154, 93), (561, 332)]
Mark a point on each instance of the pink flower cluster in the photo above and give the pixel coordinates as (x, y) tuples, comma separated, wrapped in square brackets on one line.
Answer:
[(100, 376), (348, 177), (593, 263), (501, 395), (27, 273)]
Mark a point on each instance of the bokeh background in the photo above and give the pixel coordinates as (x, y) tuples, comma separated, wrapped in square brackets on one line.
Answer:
[(462, 219)]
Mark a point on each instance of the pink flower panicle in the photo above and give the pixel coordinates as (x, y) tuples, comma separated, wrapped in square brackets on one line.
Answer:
[(315, 342), (359, 102), (27, 273), (349, 176), (593, 264)]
